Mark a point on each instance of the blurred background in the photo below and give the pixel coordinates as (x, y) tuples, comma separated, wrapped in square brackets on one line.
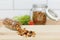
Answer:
[(10, 8)]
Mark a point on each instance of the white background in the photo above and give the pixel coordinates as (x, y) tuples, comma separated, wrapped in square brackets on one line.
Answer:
[(10, 8)]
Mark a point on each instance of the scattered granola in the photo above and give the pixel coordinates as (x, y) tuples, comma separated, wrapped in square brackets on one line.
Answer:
[(16, 26)]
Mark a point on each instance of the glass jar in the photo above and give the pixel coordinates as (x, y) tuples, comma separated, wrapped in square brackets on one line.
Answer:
[(40, 13)]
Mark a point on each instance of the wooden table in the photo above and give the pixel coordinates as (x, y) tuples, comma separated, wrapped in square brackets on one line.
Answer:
[(43, 32)]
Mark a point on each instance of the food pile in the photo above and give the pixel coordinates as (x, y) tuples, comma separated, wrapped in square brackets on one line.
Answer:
[(24, 32), (15, 25)]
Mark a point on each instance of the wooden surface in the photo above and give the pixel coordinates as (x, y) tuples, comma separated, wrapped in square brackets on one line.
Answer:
[(52, 22), (50, 31), (43, 32)]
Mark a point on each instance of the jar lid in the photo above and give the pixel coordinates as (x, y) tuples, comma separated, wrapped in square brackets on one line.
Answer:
[(51, 14)]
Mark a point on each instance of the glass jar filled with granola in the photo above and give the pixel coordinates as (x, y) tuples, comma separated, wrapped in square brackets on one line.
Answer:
[(39, 14)]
